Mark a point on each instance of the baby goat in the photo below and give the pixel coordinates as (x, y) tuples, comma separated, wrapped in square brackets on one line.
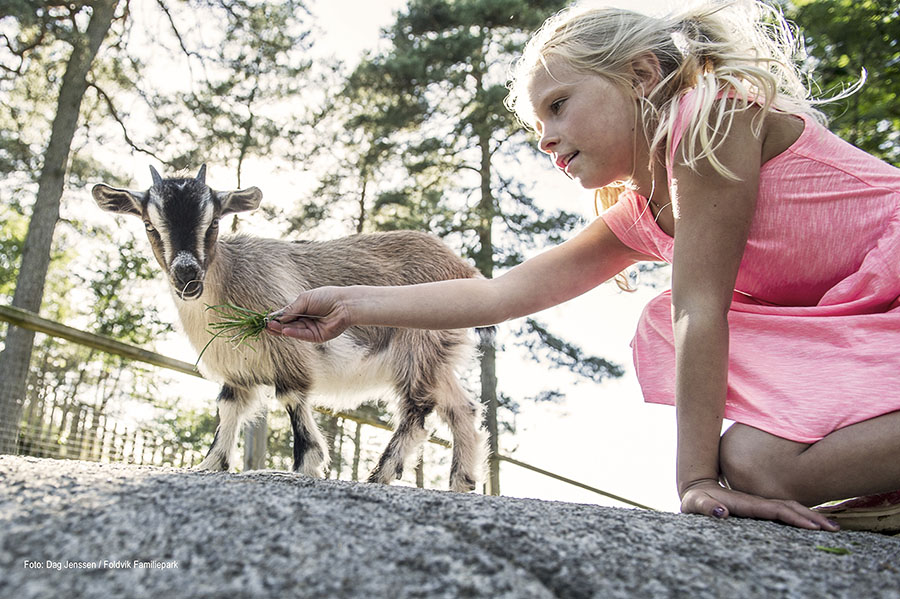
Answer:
[(182, 221)]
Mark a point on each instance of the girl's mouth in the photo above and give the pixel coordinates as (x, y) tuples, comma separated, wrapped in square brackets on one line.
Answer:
[(564, 161)]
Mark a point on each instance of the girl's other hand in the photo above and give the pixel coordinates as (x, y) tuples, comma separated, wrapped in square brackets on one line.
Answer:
[(708, 497), (316, 316)]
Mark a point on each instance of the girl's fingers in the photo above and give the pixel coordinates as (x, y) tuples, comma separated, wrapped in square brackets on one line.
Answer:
[(795, 514), (315, 316), (303, 334), (720, 503), (293, 311)]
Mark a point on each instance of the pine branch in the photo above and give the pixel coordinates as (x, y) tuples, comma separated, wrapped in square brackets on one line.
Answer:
[(184, 48), (564, 354), (115, 115)]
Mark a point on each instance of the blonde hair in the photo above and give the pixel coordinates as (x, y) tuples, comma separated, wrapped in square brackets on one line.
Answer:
[(741, 49)]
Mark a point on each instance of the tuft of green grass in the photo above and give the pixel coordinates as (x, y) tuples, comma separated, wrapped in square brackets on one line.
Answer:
[(240, 326), (834, 550)]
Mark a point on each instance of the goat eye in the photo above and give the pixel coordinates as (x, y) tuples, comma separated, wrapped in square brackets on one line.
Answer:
[(148, 226), (214, 224)]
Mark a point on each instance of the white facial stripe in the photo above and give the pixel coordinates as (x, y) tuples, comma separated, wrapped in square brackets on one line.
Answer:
[(154, 213), (206, 217)]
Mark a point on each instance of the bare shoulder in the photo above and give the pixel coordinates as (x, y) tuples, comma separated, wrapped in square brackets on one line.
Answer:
[(735, 147), (780, 132)]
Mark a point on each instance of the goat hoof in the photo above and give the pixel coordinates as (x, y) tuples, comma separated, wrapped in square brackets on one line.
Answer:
[(211, 465), (462, 484), (378, 476)]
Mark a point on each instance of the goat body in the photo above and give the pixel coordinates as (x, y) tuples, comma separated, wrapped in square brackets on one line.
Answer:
[(419, 367)]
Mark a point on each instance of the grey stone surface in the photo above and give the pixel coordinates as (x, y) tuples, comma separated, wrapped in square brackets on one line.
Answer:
[(178, 533)]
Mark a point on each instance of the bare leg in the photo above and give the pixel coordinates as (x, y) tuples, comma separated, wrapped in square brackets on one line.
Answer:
[(860, 459)]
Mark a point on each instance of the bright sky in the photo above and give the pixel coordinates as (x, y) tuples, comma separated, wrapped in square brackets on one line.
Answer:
[(604, 436)]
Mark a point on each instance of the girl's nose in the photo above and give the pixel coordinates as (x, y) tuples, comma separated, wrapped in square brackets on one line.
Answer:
[(548, 141)]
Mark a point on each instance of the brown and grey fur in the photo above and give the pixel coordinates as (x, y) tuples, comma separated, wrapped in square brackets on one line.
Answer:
[(420, 367)]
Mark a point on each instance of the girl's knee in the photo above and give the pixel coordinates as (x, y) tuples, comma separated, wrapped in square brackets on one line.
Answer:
[(755, 462)]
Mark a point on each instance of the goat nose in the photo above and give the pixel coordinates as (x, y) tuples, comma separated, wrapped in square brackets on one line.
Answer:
[(184, 272), (186, 277)]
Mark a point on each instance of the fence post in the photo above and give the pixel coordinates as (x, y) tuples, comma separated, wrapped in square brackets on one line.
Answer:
[(255, 444), (420, 468)]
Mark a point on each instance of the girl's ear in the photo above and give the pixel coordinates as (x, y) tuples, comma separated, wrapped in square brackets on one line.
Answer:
[(647, 73)]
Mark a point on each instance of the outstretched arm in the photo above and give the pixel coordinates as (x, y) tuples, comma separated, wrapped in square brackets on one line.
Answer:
[(553, 277)]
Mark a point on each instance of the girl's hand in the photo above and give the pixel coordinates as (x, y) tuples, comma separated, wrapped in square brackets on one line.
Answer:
[(708, 497), (317, 316)]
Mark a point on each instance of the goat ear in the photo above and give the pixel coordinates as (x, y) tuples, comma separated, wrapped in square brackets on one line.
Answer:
[(120, 201), (201, 176), (242, 200)]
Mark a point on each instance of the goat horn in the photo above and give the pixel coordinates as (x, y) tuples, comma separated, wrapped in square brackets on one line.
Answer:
[(201, 176), (157, 180)]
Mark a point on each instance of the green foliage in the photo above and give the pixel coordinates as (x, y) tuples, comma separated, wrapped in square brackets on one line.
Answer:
[(844, 37), (429, 113), (32, 59), (253, 74), (13, 227), (188, 426), (117, 284), (240, 326)]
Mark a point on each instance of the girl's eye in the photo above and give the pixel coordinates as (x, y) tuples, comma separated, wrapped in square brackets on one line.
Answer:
[(555, 106)]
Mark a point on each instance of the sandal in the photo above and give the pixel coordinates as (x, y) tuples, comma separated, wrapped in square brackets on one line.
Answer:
[(873, 513)]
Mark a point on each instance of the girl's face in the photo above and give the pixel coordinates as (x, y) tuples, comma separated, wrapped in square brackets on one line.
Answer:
[(586, 124)]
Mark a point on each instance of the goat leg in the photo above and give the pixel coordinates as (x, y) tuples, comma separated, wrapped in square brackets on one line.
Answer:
[(410, 434), (310, 456), (463, 415), (236, 405)]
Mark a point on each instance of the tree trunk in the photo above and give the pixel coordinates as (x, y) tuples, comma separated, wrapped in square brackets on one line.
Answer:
[(484, 260), (29, 292)]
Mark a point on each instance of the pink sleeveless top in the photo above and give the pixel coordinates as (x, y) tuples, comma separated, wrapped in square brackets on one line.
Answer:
[(815, 320)]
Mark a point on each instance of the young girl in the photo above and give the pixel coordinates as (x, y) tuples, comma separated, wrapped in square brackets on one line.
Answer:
[(784, 313)]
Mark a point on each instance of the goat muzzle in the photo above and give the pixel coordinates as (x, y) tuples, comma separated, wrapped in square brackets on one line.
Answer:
[(187, 277)]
